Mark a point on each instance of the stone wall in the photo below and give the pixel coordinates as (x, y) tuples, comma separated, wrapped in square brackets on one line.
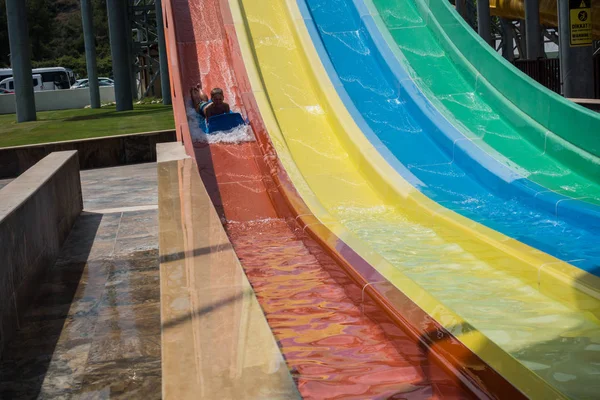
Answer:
[(93, 153), (37, 212), (52, 100)]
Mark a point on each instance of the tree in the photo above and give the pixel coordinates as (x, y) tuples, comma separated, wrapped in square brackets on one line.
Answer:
[(41, 18), (56, 35), (4, 45)]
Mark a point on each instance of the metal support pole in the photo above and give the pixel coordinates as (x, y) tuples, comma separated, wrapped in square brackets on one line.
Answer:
[(18, 36), (120, 54), (508, 51), (165, 84), (522, 40), (534, 32), (576, 63), (90, 52), (132, 59), (461, 8), (484, 20)]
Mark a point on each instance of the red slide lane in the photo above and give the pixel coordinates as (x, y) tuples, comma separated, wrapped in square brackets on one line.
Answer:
[(310, 301)]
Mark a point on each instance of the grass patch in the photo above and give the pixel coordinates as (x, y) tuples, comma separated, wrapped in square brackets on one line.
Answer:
[(54, 126)]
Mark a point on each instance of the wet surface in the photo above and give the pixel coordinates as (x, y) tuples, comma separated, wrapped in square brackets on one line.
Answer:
[(537, 324), (460, 94), (453, 268), (410, 136), (333, 350), (93, 331), (108, 188), (216, 341), (527, 324)]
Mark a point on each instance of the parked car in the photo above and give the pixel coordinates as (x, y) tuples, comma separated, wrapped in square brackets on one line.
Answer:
[(9, 83), (53, 78), (77, 83), (6, 91), (83, 83)]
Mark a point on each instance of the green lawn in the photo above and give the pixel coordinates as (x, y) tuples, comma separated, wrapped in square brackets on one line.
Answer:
[(53, 126)]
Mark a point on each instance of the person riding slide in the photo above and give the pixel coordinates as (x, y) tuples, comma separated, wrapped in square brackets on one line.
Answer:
[(209, 108)]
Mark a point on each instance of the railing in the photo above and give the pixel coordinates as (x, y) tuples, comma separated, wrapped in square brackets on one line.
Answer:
[(545, 71)]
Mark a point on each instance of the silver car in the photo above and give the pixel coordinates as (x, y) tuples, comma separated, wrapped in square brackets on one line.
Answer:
[(83, 83)]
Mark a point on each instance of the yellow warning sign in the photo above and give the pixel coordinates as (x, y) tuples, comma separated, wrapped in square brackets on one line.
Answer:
[(581, 22)]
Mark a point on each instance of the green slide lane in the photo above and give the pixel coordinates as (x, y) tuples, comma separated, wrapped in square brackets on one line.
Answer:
[(543, 136)]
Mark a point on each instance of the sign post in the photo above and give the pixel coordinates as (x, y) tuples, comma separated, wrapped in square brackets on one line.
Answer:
[(575, 40), (580, 21)]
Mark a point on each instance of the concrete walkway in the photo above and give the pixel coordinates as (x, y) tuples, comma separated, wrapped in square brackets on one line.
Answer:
[(93, 331)]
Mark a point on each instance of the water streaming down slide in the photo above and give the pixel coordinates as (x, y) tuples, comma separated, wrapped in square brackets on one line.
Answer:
[(547, 138), (333, 349), (384, 100), (351, 189)]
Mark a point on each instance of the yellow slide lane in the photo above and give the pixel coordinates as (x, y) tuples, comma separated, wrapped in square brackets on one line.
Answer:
[(479, 284)]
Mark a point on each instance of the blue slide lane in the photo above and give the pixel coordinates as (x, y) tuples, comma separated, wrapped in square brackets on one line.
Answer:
[(423, 147)]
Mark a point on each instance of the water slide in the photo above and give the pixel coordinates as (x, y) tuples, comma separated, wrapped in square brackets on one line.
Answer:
[(336, 342), (439, 260), (544, 137), (384, 100)]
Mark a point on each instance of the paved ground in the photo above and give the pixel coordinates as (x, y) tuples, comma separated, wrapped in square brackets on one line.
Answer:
[(93, 331)]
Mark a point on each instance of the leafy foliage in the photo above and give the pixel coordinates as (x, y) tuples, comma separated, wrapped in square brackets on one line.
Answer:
[(56, 35)]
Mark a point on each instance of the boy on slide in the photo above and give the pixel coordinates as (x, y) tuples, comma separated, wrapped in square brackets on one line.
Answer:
[(209, 108)]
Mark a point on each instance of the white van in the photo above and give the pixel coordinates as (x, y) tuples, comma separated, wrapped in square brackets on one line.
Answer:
[(53, 78), (56, 78), (5, 73), (9, 83)]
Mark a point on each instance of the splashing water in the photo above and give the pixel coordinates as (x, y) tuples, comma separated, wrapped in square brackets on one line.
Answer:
[(240, 134)]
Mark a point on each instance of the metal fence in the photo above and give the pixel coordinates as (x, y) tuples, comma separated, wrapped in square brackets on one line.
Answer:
[(546, 71)]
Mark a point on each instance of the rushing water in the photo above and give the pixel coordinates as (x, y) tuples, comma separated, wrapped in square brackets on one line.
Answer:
[(333, 350), (539, 331), (239, 134), (553, 340)]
